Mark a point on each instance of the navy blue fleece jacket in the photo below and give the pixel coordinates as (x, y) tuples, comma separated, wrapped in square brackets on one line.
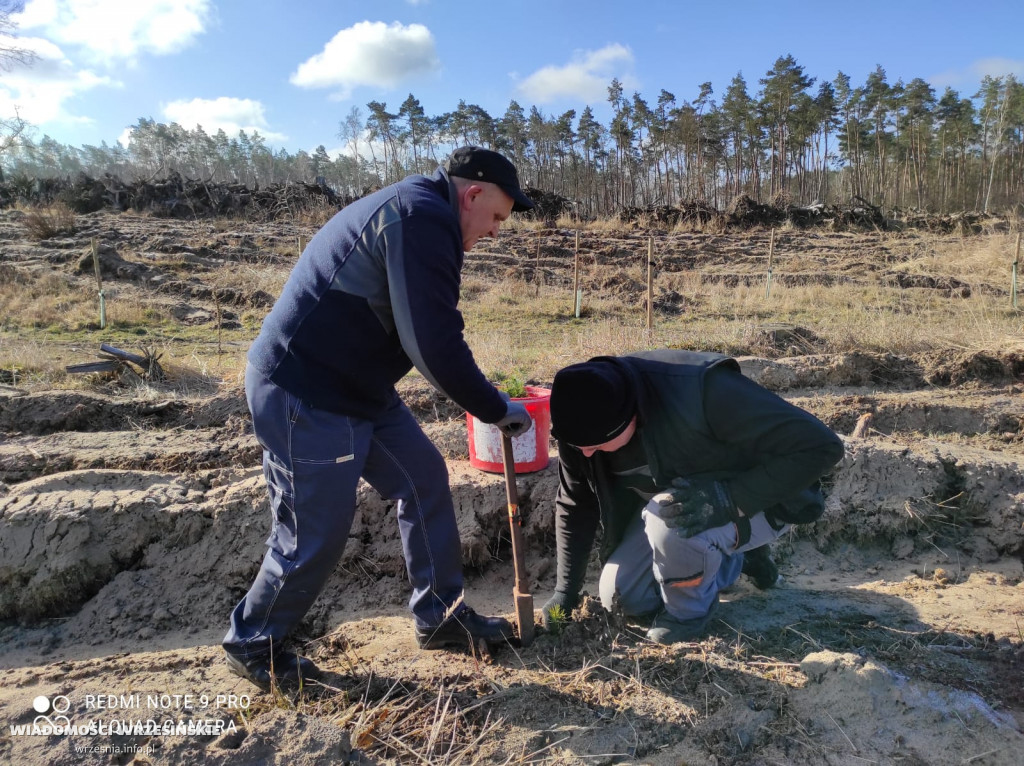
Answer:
[(375, 293)]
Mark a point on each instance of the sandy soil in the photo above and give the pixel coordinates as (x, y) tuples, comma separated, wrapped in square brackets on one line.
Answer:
[(130, 525)]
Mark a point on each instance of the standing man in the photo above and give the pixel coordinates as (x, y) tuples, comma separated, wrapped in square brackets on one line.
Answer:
[(691, 469), (374, 294)]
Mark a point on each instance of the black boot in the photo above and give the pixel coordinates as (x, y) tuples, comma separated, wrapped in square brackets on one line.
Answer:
[(759, 567), (463, 629), (287, 670), (666, 629)]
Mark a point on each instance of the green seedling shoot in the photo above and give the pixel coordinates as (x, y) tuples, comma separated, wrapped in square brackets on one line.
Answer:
[(557, 619)]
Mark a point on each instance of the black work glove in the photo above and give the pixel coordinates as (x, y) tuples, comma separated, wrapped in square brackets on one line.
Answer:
[(564, 601), (517, 420), (694, 505)]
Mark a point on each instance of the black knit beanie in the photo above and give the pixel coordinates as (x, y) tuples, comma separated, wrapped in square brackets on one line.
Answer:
[(591, 402)]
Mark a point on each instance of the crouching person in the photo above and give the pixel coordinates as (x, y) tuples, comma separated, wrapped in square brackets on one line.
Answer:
[(690, 469)]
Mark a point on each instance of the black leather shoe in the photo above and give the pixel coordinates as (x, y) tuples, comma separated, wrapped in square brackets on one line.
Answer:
[(464, 629), (759, 567), (287, 670)]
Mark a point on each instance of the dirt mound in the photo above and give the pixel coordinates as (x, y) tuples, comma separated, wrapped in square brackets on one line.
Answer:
[(951, 287), (745, 212), (51, 412), (114, 267), (992, 421), (988, 367), (61, 542), (844, 684), (1003, 366), (909, 498), (63, 536), (823, 370), (27, 457), (58, 411), (173, 196)]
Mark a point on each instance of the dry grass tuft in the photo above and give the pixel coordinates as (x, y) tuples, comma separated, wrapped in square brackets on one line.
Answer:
[(974, 260), (607, 226), (316, 214), (48, 300), (24, 364), (49, 222), (421, 727), (513, 325)]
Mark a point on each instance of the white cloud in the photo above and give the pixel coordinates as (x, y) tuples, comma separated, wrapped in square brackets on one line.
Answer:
[(370, 53), (585, 78), (38, 90), (973, 74), (228, 114), (998, 67), (114, 30)]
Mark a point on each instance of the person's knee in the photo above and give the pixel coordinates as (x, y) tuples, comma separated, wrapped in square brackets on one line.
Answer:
[(434, 469), (635, 598), (426, 477)]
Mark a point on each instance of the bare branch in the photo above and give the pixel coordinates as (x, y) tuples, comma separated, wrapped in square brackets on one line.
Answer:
[(11, 54)]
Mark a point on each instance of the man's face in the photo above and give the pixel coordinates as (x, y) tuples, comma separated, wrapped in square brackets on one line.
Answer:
[(483, 208), (618, 442)]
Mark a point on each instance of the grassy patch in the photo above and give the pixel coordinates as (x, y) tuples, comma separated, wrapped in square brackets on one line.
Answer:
[(709, 295)]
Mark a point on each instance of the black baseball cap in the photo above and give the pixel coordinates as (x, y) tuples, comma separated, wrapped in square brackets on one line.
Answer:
[(479, 164)]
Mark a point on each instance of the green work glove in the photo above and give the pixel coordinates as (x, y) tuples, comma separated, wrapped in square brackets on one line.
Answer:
[(563, 601), (694, 505)]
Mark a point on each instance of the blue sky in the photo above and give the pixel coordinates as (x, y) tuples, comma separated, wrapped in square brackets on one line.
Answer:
[(293, 69)]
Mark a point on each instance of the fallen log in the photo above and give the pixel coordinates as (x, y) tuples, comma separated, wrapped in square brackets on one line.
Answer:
[(116, 361)]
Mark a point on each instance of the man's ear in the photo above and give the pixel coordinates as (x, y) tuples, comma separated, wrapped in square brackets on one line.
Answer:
[(469, 194)]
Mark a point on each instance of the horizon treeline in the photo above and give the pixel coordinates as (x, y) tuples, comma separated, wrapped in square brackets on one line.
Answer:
[(796, 140)]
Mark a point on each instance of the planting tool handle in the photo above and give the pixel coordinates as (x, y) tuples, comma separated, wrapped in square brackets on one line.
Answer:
[(520, 594), (511, 490)]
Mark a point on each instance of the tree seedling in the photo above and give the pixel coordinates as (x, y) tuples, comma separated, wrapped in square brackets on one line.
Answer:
[(557, 619)]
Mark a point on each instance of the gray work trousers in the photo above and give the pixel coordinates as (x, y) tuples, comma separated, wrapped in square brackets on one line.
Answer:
[(655, 566)]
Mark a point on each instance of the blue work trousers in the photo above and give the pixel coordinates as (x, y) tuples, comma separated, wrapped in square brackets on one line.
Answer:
[(312, 461)]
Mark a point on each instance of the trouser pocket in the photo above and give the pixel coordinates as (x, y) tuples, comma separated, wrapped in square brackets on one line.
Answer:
[(686, 568)]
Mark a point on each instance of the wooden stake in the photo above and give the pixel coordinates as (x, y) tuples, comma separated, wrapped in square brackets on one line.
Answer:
[(302, 243), (1016, 266), (771, 255), (99, 282), (576, 276), (650, 283)]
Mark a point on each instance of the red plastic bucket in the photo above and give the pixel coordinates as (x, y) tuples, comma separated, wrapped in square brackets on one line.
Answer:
[(529, 451)]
